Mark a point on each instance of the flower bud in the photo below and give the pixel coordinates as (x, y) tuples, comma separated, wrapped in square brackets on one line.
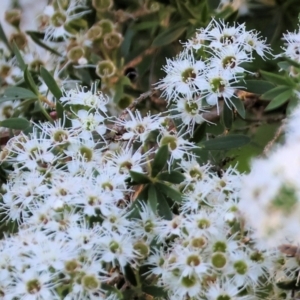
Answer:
[(20, 40), (124, 102), (75, 53), (106, 25), (13, 17), (58, 19), (142, 249), (105, 69), (94, 33), (112, 40), (102, 5)]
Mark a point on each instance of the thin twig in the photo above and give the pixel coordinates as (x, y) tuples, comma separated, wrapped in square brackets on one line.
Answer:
[(275, 138)]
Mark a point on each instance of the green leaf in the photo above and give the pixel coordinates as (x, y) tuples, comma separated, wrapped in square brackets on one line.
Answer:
[(51, 83), (274, 92), (225, 13), (18, 93), (239, 106), (257, 86), (145, 25), (111, 290), (126, 44), (59, 110), (30, 82), (225, 142), (170, 34), (35, 37), (172, 177), (160, 160), (139, 178), (15, 123), (199, 133), (152, 197), (129, 275), (277, 79), (19, 57), (163, 208), (155, 291), (169, 192), (227, 116), (3, 38), (119, 88), (280, 100), (294, 102)]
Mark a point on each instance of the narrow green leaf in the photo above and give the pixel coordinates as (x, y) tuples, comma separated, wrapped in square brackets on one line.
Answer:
[(59, 110), (225, 13), (271, 94), (160, 160), (111, 289), (277, 79), (30, 82), (18, 93), (145, 25), (225, 142), (227, 116), (239, 106), (126, 44), (119, 88), (15, 123), (163, 208), (172, 177), (258, 86), (170, 34), (199, 133), (294, 102), (51, 83), (155, 291), (3, 38), (152, 197), (169, 192), (129, 275), (279, 100), (139, 178), (19, 57), (35, 37)]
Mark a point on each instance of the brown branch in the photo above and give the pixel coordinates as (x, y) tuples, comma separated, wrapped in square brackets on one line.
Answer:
[(275, 138)]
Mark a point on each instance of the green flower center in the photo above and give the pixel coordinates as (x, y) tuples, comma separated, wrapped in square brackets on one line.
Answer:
[(218, 260), (217, 85), (219, 247), (241, 267), (58, 19), (188, 75)]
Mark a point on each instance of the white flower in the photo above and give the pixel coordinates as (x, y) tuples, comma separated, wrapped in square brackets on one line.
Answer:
[(31, 285), (88, 122), (190, 111), (229, 59), (219, 86), (139, 127), (177, 145), (58, 19), (222, 34), (292, 45), (116, 247), (92, 98), (184, 77)]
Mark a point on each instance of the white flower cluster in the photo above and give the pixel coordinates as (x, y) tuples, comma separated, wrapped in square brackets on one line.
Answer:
[(271, 202), (69, 197), (209, 69), (78, 223)]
